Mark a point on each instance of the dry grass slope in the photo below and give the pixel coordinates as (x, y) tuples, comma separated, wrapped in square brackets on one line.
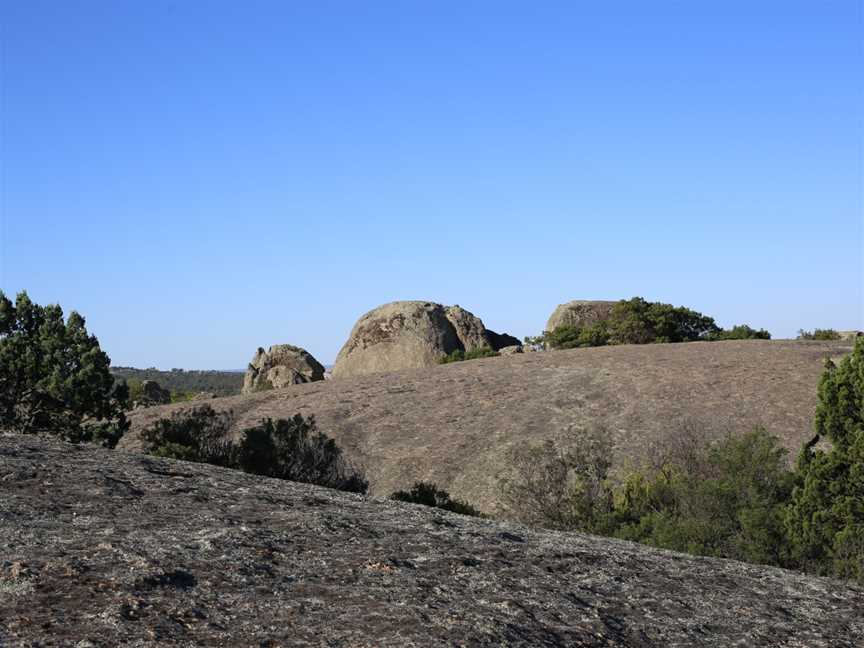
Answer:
[(454, 424)]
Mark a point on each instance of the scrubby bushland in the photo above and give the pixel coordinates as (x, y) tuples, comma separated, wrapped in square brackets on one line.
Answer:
[(732, 497), (818, 334), (430, 495), (221, 383), (291, 449), (54, 377), (558, 488), (720, 499), (459, 355), (637, 321), (740, 332), (200, 434), (825, 520)]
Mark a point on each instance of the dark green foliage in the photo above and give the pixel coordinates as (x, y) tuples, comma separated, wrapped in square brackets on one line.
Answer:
[(818, 334), (54, 378), (221, 383), (572, 337), (740, 332), (291, 449), (637, 321), (459, 355), (825, 519), (430, 495), (199, 434), (294, 449), (723, 499)]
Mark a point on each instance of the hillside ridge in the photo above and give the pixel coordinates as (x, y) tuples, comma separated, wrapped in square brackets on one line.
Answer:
[(455, 424)]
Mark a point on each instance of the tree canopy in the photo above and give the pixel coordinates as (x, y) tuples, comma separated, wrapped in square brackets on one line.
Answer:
[(54, 377)]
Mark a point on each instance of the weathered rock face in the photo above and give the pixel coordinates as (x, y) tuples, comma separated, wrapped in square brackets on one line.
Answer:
[(412, 334), (280, 366), (469, 328), (579, 313), (152, 393), (129, 550)]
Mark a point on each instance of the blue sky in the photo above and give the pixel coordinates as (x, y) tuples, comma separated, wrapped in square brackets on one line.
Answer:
[(202, 178)]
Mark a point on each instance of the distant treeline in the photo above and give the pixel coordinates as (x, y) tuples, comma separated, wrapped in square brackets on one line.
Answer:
[(221, 383)]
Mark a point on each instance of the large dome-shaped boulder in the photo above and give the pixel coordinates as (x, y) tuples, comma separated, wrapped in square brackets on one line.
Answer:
[(411, 334), (579, 313), (280, 366)]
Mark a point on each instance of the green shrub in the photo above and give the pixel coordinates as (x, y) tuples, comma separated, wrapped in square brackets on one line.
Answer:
[(200, 434), (740, 332), (291, 449), (819, 334), (430, 495), (726, 501), (459, 355), (637, 321), (825, 520), (295, 450), (54, 377), (722, 499), (557, 488)]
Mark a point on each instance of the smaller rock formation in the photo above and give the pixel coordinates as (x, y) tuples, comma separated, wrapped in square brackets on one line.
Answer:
[(850, 335), (280, 366), (579, 313), (152, 393), (510, 350)]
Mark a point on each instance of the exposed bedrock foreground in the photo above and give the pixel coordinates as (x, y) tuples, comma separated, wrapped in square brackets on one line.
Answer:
[(103, 548)]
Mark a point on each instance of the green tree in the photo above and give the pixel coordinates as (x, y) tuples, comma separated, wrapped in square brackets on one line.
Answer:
[(430, 495), (740, 332), (819, 334), (54, 378), (825, 519)]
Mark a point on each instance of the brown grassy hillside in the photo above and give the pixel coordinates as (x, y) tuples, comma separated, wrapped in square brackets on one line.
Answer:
[(454, 424)]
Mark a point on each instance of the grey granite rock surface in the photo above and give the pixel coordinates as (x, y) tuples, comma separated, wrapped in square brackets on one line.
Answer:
[(107, 548)]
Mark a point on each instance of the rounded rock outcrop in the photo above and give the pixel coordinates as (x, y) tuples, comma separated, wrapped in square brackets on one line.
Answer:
[(281, 365), (579, 313), (410, 335)]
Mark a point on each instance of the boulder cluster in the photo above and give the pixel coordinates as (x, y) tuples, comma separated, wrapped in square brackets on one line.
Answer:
[(281, 365)]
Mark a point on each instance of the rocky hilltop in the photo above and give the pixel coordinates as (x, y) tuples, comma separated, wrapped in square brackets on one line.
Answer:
[(412, 334), (104, 548), (455, 424)]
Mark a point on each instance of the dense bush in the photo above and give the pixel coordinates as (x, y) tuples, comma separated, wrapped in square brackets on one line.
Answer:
[(54, 377), (200, 434), (637, 321), (818, 334), (430, 495), (739, 332), (731, 498), (291, 449), (825, 520), (459, 355), (719, 499)]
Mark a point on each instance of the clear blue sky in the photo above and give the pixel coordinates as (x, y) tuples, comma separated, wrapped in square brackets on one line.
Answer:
[(202, 178)]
